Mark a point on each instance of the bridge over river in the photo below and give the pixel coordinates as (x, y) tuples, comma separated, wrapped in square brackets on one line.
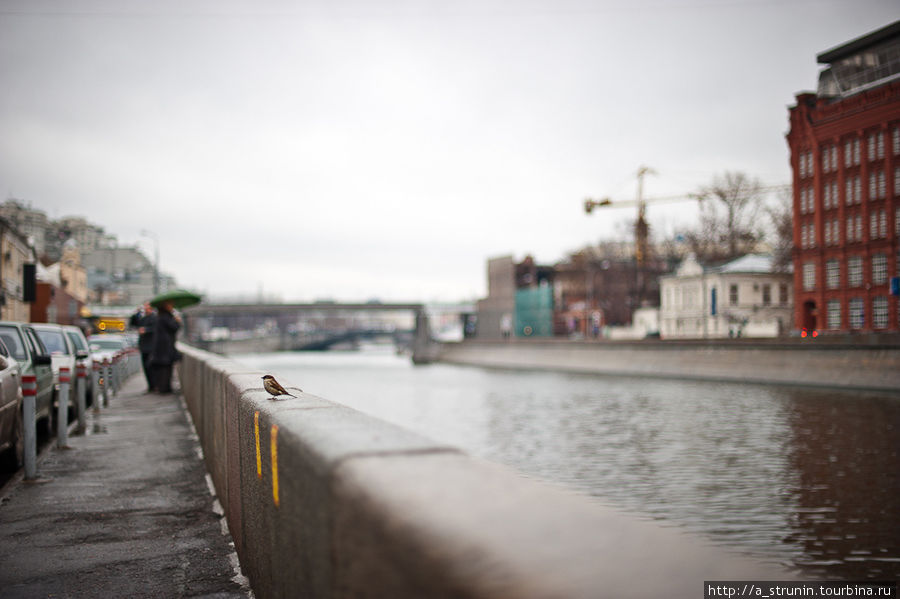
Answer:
[(316, 325)]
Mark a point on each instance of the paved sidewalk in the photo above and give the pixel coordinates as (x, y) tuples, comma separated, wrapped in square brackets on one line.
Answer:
[(126, 512)]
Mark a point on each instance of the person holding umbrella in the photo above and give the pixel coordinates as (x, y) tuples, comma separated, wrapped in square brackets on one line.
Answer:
[(164, 353), (144, 320)]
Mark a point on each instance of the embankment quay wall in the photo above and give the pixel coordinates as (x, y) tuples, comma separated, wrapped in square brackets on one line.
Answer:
[(848, 365), (324, 501)]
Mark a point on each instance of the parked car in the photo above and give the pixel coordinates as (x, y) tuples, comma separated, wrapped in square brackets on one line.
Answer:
[(22, 342), (12, 425), (62, 355), (83, 357), (105, 347)]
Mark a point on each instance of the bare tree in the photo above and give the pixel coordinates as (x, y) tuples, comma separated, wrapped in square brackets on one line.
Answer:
[(728, 227), (781, 216)]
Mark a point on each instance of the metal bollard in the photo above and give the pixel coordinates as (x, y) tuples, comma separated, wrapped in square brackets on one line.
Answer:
[(111, 377), (29, 413), (62, 418), (105, 383), (80, 392), (116, 374), (96, 382)]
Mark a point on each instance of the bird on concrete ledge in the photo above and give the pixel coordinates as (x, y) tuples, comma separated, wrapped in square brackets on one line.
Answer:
[(274, 388)]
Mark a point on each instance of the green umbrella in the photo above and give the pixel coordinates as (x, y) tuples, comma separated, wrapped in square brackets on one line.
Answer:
[(179, 298)]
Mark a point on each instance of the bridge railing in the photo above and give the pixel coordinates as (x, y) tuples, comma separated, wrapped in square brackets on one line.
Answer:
[(324, 501)]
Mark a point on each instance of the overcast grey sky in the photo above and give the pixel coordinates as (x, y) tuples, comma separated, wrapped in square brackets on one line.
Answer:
[(358, 149)]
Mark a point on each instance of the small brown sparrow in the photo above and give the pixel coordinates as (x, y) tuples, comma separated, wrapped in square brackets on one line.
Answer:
[(273, 387)]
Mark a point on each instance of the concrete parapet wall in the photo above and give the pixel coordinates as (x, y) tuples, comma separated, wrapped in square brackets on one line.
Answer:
[(324, 501), (829, 365)]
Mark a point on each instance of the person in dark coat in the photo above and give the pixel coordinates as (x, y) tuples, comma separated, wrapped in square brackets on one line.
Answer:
[(164, 355), (144, 320)]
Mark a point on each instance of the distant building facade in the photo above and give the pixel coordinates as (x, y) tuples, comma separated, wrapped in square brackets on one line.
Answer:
[(604, 286), (845, 155), (121, 276), (61, 289), (497, 311), (743, 298), (15, 253), (32, 224)]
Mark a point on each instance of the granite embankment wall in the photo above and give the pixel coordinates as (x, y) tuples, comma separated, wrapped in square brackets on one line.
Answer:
[(324, 501), (822, 363)]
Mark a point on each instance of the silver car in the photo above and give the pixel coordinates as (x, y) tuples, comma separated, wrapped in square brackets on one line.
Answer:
[(62, 355), (23, 343), (12, 424)]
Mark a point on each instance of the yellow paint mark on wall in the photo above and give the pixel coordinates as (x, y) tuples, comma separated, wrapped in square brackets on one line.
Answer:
[(258, 456), (274, 436)]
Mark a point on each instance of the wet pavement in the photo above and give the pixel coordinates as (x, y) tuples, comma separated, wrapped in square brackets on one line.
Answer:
[(126, 512)]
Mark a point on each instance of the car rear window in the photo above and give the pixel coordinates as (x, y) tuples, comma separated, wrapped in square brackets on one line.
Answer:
[(76, 340), (53, 341), (13, 341)]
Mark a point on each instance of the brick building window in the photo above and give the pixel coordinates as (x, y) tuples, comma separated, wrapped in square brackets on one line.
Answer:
[(851, 152), (873, 225), (832, 274), (876, 146), (807, 200), (858, 227), (806, 164), (879, 269), (854, 271), (877, 189), (853, 193), (896, 135), (834, 314), (897, 181), (879, 312), (809, 276), (882, 223), (857, 313)]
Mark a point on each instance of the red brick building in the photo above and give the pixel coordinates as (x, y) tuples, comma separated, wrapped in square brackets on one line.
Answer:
[(845, 155)]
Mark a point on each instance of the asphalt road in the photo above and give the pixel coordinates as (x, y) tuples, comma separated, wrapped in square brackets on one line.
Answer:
[(126, 512)]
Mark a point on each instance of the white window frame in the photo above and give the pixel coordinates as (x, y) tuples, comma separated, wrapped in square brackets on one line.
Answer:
[(809, 276), (879, 312), (833, 314), (854, 271), (856, 309), (833, 274), (879, 269)]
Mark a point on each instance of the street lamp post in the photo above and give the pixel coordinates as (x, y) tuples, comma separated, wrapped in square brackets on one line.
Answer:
[(155, 239)]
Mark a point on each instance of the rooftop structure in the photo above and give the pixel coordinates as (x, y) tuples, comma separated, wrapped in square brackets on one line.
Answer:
[(868, 61)]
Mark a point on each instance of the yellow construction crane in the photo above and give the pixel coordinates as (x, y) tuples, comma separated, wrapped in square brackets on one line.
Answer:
[(640, 226)]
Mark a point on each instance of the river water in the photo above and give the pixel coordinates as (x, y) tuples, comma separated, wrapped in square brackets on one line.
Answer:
[(808, 478)]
